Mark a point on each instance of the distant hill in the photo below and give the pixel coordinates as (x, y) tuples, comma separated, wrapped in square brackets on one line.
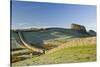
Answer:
[(92, 32), (49, 36)]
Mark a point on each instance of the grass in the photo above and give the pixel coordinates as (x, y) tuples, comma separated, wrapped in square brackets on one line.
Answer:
[(65, 47), (82, 53)]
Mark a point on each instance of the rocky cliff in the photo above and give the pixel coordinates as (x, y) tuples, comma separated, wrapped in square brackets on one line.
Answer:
[(78, 27)]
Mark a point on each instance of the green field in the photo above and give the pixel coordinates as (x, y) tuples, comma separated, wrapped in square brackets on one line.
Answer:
[(79, 53)]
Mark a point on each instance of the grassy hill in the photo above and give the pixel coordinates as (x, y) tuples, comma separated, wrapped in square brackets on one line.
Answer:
[(48, 36), (72, 51)]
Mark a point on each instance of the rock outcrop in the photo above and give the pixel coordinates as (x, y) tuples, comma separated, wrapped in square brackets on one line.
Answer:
[(78, 27)]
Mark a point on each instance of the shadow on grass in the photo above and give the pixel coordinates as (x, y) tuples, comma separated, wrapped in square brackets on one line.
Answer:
[(16, 59), (17, 49), (23, 56)]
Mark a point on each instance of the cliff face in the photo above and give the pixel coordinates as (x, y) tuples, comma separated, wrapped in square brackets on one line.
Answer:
[(78, 27)]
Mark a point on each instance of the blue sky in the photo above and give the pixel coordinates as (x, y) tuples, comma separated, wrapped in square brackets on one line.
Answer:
[(41, 15)]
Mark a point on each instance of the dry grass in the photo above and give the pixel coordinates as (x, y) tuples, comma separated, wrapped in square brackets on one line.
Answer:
[(75, 50), (76, 42)]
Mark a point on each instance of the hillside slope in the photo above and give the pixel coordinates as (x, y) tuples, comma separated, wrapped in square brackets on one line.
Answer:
[(52, 36), (76, 50)]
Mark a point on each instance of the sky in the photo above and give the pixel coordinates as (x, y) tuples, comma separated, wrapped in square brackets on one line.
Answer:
[(43, 15)]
